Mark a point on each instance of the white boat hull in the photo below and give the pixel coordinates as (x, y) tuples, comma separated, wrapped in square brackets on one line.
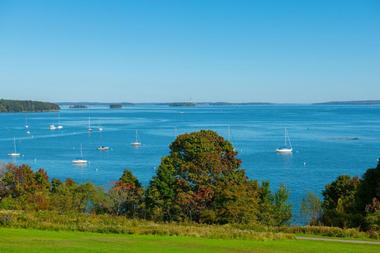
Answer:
[(284, 150), (14, 154), (79, 161), (136, 144)]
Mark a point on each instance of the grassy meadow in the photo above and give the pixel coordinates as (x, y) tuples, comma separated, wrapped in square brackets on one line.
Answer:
[(28, 240)]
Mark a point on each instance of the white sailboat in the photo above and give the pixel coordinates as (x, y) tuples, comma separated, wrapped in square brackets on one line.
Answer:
[(52, 127), (80, 160), (59, 126), (136, 143), (89, 124), (26, 123), (287, 148), (14, 153)]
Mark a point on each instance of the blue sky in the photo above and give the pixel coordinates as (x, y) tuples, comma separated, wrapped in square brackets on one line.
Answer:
[(144, 51)]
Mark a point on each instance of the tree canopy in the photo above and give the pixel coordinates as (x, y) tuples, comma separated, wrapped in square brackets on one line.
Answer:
[(26, 106)]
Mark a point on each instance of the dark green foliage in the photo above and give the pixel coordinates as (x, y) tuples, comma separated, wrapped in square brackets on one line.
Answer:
[(26, 106), (350, 202), (274, 209), (369, 188), (311, 208), (339, 202), (116, 106)]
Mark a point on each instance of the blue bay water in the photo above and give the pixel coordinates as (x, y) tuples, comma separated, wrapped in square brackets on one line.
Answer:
[(328, 141)]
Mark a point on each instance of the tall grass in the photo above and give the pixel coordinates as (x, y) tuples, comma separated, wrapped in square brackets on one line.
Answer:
[(47, 220), (121, 225)]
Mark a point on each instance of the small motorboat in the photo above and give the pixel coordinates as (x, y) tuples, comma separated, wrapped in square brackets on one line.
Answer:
[(103, 148), (52, 127)]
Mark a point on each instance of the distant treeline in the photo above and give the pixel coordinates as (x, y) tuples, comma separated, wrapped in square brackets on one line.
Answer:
[(26, 106)]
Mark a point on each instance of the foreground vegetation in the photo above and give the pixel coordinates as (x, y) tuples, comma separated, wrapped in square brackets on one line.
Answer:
[(26, 106), (20, 240)]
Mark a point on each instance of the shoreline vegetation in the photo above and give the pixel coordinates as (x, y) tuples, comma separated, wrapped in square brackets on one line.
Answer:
[(27, 106)]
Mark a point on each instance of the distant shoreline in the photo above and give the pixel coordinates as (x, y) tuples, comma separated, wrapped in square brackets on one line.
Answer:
[(193, 104)]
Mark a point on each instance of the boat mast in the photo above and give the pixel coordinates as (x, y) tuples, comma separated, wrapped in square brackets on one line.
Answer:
[(14, 144), (287, 138)]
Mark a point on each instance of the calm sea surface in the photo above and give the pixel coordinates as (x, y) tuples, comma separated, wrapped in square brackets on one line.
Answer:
[(328, 141)]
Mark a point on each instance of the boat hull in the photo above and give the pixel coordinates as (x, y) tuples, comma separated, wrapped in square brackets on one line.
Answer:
[(284, 150), (79, 161)]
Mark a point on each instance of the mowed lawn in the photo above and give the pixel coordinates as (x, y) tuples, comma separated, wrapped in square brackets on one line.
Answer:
[(25, 240)]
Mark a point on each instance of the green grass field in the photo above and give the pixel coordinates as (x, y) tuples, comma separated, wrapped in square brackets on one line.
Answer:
[(27, 240)]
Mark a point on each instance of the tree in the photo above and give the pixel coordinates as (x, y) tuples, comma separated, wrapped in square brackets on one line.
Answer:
[(201, 180), (283, 210), (274, 209), (127, 196), (339, 202), (311, 208), (369, 188)]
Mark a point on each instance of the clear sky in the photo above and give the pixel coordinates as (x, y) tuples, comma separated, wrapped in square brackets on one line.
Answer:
[(157, 51)]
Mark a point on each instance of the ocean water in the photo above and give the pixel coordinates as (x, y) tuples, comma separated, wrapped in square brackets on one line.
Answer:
[(328, 141)]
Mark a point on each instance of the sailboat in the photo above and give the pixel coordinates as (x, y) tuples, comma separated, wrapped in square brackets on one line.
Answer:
[(52, 127), (14, 153), (26, 123), (59, 126), (80, 161), (89, 125), (136, 143), (287, 148)]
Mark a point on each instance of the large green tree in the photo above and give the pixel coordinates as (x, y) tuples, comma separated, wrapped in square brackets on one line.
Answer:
[(201, 180)]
